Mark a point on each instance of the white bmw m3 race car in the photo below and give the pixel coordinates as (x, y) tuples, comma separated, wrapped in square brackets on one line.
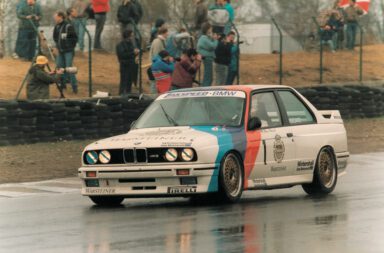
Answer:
[(219, 141)]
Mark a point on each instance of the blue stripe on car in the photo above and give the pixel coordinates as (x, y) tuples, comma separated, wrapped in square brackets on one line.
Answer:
[(224, 140)]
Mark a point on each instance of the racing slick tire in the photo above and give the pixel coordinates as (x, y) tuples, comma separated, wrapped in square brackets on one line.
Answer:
[(107, 201), (231, 179), (325, 174)]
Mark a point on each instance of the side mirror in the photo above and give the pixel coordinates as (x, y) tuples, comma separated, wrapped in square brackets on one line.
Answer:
[(254, 124)]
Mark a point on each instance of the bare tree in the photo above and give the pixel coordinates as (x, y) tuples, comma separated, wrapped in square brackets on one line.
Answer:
[(3, 5)]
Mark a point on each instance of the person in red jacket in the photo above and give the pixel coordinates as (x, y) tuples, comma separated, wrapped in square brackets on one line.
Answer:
[(100, 7), (186, 69)]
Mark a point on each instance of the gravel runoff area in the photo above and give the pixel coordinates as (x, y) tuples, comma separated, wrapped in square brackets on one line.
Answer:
[(44, 161)]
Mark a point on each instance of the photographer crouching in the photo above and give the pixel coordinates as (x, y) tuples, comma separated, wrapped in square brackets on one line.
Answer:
[(185, 69), (40, 79)]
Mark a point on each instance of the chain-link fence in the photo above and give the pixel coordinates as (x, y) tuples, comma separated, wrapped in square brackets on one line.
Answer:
[(292, 58)]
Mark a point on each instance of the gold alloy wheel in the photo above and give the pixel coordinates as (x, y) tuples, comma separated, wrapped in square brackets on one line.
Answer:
[(327, 173), (232, 175)]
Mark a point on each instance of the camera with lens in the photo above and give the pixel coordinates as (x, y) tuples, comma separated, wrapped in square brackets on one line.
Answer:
[(69, 70)]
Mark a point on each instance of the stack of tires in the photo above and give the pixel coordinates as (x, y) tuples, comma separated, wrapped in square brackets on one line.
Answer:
[(74, 120), (116, 115), (28, 122), (352, 101), (104, 122), (89, 119), (14, 134), (60, 119), (368, 98), (44, 122)]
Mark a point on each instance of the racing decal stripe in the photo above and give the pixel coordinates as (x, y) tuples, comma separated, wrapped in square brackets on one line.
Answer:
[(224, 142), (253, 147), (253, 143)]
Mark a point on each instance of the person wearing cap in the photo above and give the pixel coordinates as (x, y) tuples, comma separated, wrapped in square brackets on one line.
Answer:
[(39, 81), (186, 69), (162, 69)]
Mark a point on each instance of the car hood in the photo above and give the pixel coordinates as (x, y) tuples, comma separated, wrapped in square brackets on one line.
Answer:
[(165, 137)]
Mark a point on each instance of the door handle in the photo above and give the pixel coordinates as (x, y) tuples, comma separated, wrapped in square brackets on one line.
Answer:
[(289, 135)]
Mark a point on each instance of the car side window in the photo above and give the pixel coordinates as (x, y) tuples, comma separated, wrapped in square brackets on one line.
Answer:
[(264, 106), (297, 112)]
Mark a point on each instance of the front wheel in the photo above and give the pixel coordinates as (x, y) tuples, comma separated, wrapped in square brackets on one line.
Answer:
[(107, 201), (325, 175), (231, 178)]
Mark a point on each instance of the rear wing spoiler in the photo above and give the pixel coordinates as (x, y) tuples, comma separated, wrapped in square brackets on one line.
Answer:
[(331, 117)]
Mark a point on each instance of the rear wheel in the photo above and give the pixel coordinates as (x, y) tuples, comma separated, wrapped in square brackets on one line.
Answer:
[(231, 178), (325, 175), (107, 201)]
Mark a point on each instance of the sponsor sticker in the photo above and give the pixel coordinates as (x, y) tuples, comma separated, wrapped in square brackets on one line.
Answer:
[(278, 168), (100, 191), (182, 190), (305, 165), (260, 182), (211, 93), (278, 149)]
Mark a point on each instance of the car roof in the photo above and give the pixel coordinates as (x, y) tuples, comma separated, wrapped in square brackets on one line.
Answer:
[(235, 87)]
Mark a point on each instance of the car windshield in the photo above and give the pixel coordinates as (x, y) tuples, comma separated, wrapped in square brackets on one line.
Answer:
[(192, 110)]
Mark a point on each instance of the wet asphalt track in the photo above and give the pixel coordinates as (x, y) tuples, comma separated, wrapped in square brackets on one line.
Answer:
[(55, 218)]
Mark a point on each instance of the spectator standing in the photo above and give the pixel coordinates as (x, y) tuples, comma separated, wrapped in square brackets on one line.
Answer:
[(233, 66), (177, 42), (80, 21), (18, 45), (337, 25), (326, 34), (223, 59), (160, 23), (65, 38), (129, 14), (71, 16), (352, 13), (101, 8), (201, 14), (228, 6), (158, 44), (29, 15), (126, 54), (186, 69), (216, 16), (39, 81), (162, 69), (206, 46)]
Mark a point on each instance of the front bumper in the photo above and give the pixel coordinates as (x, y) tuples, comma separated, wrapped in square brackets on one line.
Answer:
[(145, 181)]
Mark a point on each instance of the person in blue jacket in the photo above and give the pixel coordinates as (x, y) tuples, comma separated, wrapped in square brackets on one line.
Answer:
[(162, 69), (206, 46)]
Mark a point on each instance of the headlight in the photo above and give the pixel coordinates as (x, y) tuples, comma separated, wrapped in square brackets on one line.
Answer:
[(187, 154), (105, 157), (91, 157), (171, 155)]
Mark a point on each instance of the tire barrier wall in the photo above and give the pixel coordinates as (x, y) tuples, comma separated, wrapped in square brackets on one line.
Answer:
[(351, 100), (23, 122)]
